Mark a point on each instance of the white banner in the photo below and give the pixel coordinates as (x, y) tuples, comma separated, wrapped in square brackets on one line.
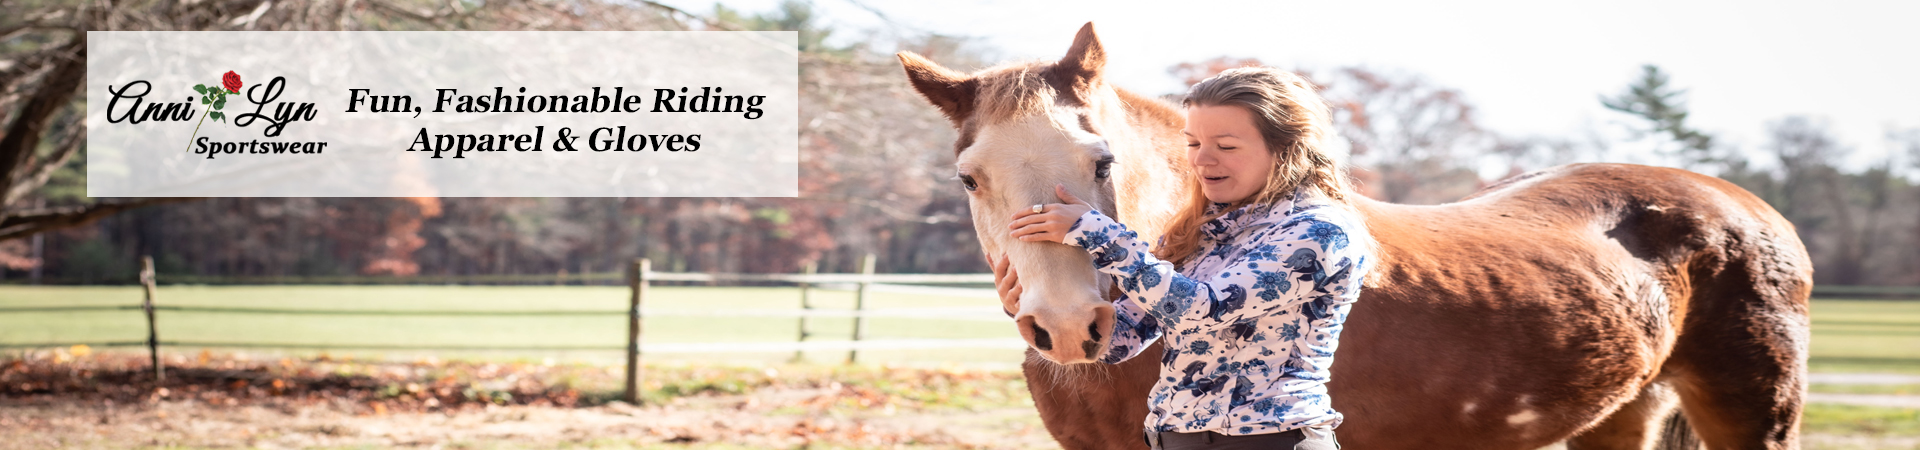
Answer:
[(442, 114)]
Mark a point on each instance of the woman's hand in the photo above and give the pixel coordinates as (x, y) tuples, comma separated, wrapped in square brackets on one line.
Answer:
[(1007, 282), (1052, 222)]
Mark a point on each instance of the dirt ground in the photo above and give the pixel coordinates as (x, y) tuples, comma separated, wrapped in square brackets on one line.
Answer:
[(60, 401), (713, 422), (69, 399)]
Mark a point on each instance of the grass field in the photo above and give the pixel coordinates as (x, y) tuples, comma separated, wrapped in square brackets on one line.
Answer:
[(1848, 336), (1866, 336), (608, 330)]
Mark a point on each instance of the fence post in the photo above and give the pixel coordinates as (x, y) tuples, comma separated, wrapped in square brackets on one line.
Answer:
[(153, 334), (860, 308), (637, 284), (806, 305)]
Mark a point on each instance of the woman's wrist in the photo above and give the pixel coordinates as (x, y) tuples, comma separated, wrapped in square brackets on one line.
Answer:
[(1090, 231)]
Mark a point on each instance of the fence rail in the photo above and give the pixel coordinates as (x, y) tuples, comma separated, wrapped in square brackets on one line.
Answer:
[(639, 277), (987, 313), (663, 347), (1867, 292), (608, 278)]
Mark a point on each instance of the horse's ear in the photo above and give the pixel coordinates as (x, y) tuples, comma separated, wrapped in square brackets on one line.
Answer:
[(1084, 61), (946, 89)]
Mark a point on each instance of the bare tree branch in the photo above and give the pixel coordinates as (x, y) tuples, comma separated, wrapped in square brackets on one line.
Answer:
[(24, 134), (683, 13), (40, 170), (890, 210), (26, 223), (11, 31), (432, 18), (25, 66)]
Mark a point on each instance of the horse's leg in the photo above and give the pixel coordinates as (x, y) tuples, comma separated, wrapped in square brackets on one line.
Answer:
[(1635, 426), (1742, 402), (1094, 406), (1740, 363), (1677, 434)]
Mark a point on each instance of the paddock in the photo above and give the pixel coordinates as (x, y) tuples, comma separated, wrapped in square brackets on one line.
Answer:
[(1865, 360)]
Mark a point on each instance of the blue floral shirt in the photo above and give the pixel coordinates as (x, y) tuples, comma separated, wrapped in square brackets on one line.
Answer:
[(1251, 322)]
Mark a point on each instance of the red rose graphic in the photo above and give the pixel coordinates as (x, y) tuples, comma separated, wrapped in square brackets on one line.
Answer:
[(215, 98), (231, 81)]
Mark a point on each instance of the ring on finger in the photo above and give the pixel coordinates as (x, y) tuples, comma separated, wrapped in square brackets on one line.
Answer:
[(1039, 208)]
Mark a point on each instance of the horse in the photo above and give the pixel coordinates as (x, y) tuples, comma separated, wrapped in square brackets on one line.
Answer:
[(1575, 304)]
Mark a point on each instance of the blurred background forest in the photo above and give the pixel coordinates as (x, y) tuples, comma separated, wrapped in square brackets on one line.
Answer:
[(875, 165)]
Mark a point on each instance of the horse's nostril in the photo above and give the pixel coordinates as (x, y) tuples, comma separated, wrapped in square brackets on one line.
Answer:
[(1093, 342), (1041, 339)]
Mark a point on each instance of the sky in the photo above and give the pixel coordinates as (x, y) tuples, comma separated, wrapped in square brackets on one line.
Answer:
[(1531, 67)]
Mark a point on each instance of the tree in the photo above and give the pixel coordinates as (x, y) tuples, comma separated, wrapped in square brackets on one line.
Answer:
[(1839, 215), (1416, 138), (875, 170), (43, 52), (43, 130), (1191, 73), (792, 15), (1907, 144), (1411, 141), (1652, 99)]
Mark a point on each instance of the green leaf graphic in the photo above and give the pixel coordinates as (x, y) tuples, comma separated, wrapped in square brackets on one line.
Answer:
[(201, 88)]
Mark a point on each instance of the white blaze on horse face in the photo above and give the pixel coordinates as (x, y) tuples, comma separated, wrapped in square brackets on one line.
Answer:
[(1015, 164)]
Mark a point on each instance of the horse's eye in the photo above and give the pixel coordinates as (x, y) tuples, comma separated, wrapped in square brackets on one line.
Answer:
[(967, 180), (1103, 168)]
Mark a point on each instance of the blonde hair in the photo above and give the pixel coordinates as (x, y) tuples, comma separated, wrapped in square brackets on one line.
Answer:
[(1295, 124)]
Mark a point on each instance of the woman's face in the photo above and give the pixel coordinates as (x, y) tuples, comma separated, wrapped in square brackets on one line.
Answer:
[(1227, 152)]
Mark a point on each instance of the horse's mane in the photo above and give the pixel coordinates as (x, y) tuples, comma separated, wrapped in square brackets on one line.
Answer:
[(1153, 112), (1013, 90)]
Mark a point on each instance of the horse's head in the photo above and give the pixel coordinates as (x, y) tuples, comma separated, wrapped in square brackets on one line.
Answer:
[(1024, 128)]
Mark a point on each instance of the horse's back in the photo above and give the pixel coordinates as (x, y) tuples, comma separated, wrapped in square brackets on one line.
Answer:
[(1697, 231), (1584, 275)]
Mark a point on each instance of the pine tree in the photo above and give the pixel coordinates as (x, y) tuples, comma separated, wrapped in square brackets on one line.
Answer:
[(1652, 99)]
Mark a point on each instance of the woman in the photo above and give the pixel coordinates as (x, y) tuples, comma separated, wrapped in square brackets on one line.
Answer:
[(1269, 257)]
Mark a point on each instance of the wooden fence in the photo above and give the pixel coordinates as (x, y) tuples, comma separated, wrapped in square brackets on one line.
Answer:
[(639, 277)]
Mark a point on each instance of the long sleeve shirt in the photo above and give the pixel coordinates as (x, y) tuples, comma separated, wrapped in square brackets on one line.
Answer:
[(1252, 321)]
